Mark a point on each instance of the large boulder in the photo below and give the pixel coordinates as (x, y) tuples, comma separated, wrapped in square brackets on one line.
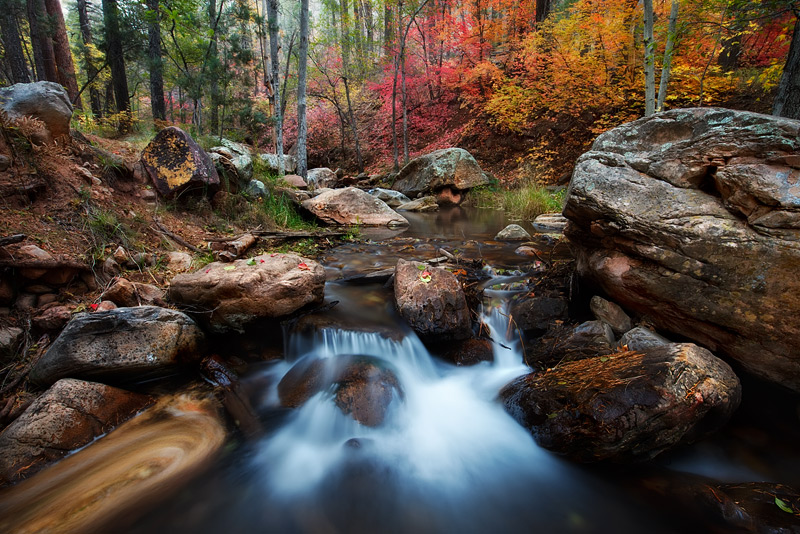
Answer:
[(625, 406), (123, 292), (321, 177), (432, 301), (176, 163), (392, 198), (273, 162), (45, 101), (122, 343), (67, 416), (353, 206), (454, 168), (692, 217), (233, 160), (227, 296)]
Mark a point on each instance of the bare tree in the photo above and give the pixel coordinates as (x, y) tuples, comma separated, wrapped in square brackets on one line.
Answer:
[(302, 71), (272, 21)]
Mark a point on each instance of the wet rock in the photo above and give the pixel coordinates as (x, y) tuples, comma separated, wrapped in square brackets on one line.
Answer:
[(365, 390), (120, 344), (52, 320), (393, 199), (594, 334), (67, 416), (470, 352), (353, 206), (686, 217), (227, 296), (611, 314), (625, 406), (126, 293), (536, 314), (45, 101), (432, 301), (321, 178), (549, 223), (11, 339), (364, 387), (640, 338), (179, 262), (272, 162), (421, 205), (454, 168), (294, 180), (176, 164), (512, 232)]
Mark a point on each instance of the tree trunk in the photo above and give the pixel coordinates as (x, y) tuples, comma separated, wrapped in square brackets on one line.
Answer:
[(272, 18), (43, 54), (649, 61), (542, 10), (63, 54), (213, 61), (404, 99), (353, 127), (12, 44), (157, 104), (787, 101), (91, 70), (116, 61), (302, 67), (668, 50)]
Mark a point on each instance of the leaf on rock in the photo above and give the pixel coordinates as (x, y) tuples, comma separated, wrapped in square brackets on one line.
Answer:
[(783, 506)]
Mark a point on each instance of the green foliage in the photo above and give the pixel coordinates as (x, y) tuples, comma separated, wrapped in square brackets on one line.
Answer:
[(522, 202), (281, 210)]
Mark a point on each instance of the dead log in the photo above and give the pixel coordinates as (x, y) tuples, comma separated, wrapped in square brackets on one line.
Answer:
[(11, 239), (230, 250)]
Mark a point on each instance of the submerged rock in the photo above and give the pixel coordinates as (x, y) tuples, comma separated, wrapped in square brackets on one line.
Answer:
[(228, 296), (67, 416), (353, 206), (122, 343), (512, 232), (432, 301), (625, 406), (176, 163), (549, 223), (691, 218), (363, 387), (421, 204)]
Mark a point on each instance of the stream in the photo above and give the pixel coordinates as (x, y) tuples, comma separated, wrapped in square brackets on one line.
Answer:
[(447, 458)]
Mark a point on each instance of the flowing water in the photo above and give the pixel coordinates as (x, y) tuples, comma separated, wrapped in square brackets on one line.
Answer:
[(447, 458)]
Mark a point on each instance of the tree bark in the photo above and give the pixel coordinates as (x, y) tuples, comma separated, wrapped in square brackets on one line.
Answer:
[(213, 60), (91, 70), (649, 61), (542, 10), (12, 44), (116, 60), (63, 54), (157, 104), (666, 68), (43, 55), (302, 69), (272, 18), (787, 101)]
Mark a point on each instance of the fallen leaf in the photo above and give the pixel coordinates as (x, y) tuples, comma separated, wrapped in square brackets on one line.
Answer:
[(783, 506), (229, 268), (252, 261), (303, 267)]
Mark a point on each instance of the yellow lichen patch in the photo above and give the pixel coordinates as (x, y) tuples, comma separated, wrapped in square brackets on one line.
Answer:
[(172, 159)]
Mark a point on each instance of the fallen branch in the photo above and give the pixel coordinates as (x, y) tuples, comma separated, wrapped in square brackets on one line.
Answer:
[(230, 250), (160, 228), (11, 239)]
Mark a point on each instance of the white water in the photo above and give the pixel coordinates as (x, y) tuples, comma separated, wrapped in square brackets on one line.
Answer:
[(447, 432)]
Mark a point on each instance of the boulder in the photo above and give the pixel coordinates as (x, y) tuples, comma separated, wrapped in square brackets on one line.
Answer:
[(67, 416), (454, 168), (11, 339), (45, 101), (52, 320), (256, 189), (625, 406), (272, 162), (120, 344), (321, 178), (535, 314), (353, 206), (549, 223), (421, 204), (640, 338), (432, 301), (470, 352), (512, 232), (611, 314), (126, 293), (363, 386), (241, 159), (227, 296), (234, 163), (690, 217), (176, 164), (393, 199), (294, 180), (179, 262)]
